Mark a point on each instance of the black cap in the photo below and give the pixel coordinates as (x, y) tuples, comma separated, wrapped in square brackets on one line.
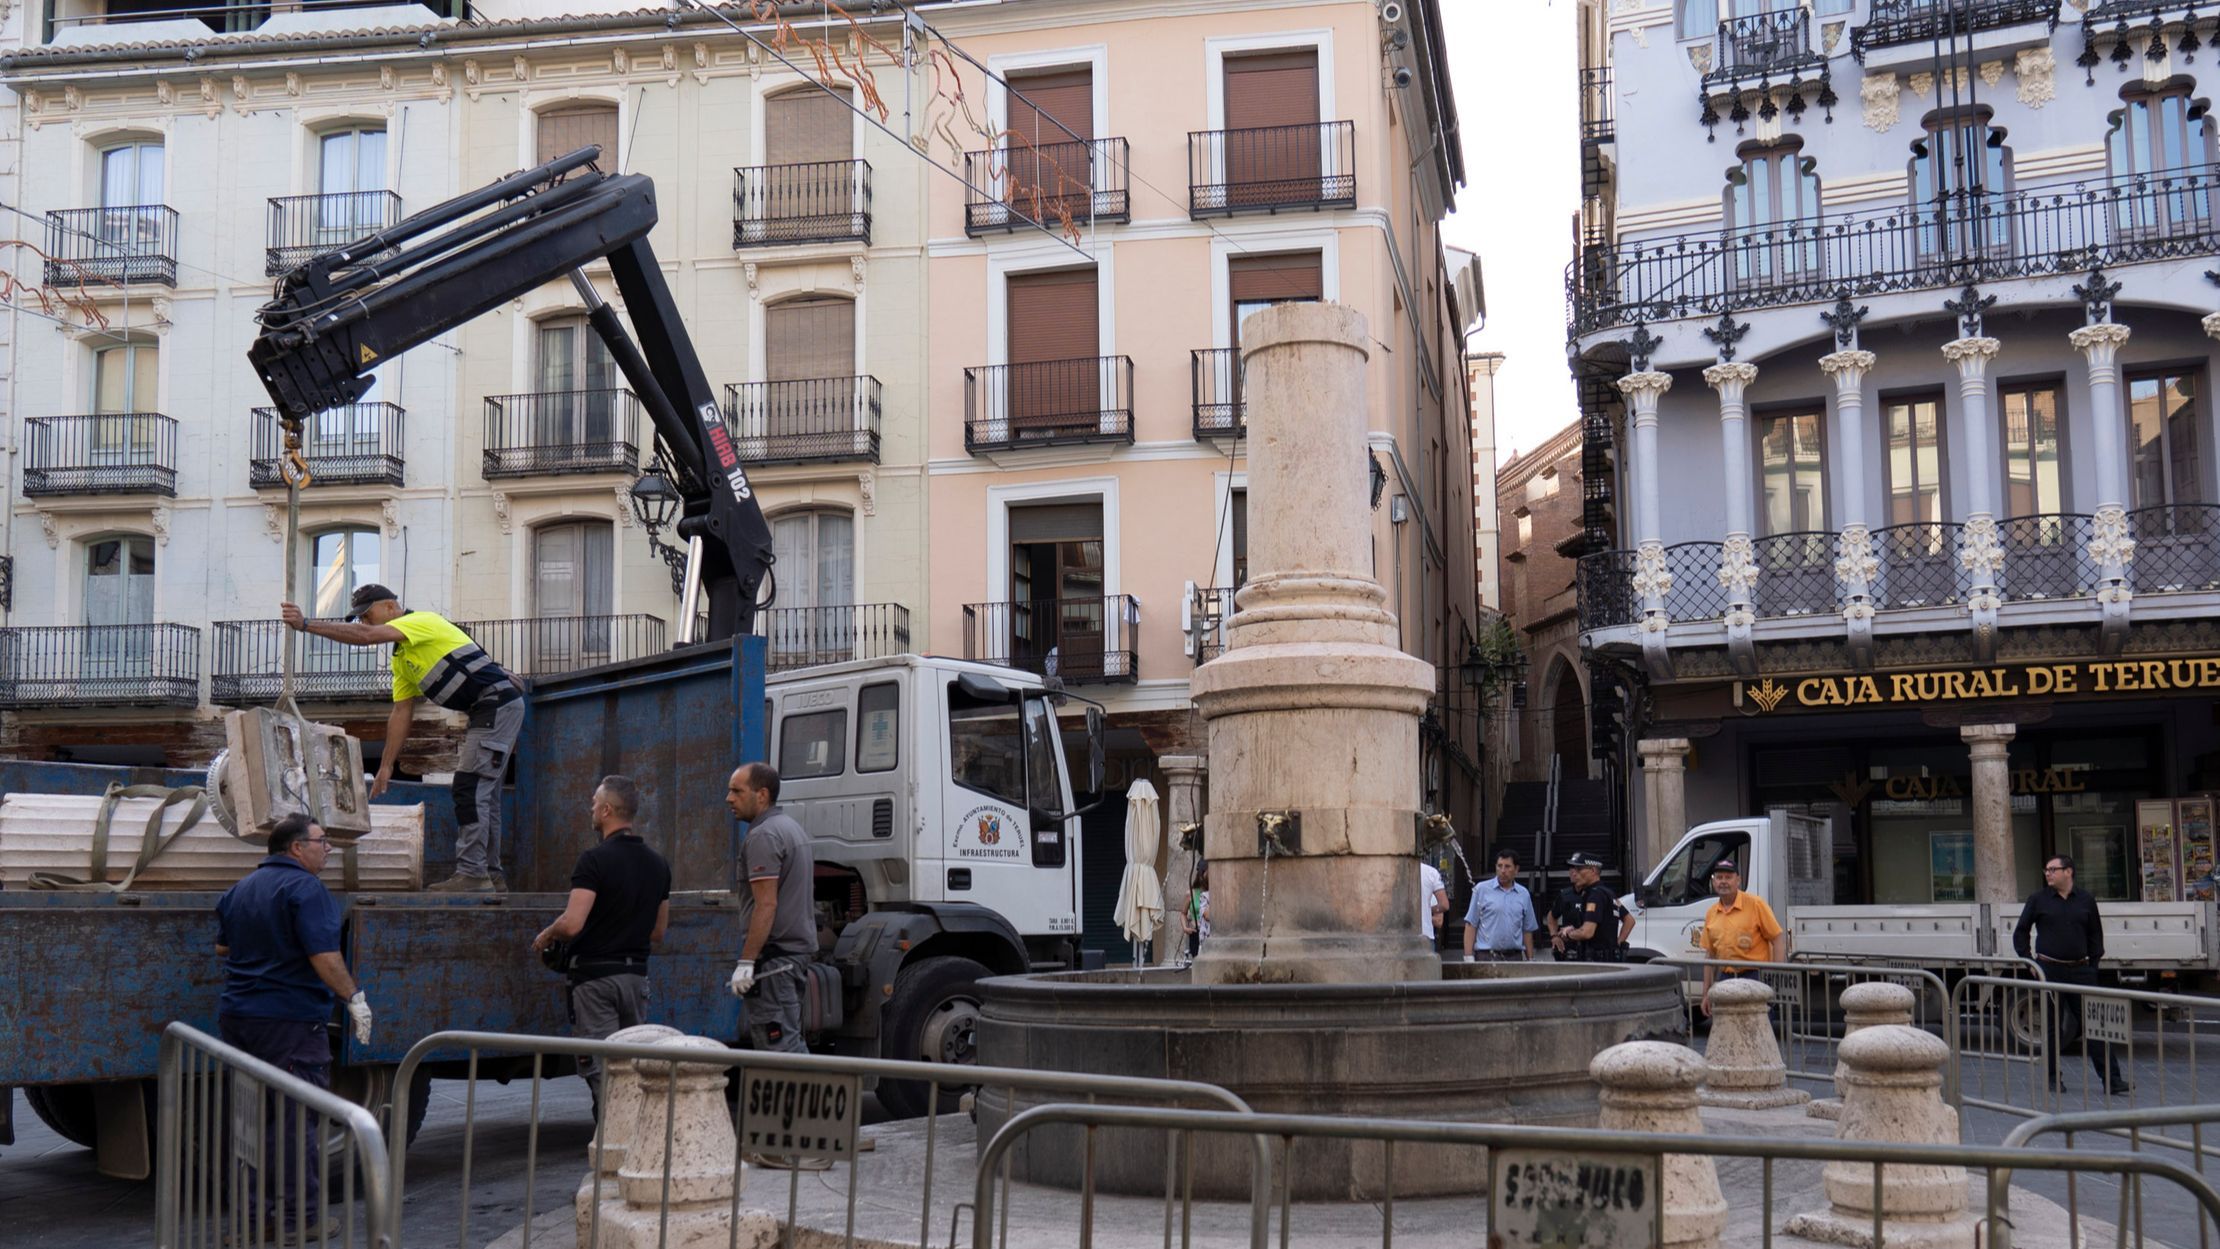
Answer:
[(1580, 859), (1725, 865), (366, 595)]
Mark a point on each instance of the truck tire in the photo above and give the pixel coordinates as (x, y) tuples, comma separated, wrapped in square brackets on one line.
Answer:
[(372, 1087), (932, 1017), (67, 1109)]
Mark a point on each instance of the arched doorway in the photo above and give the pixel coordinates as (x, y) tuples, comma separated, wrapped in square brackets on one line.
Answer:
[(1568, 710)]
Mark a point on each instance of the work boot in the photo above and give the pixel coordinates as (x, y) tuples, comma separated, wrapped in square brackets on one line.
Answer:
[(460, 883)]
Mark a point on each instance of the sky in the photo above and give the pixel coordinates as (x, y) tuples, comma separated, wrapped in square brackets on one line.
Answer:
[(1512, 65)]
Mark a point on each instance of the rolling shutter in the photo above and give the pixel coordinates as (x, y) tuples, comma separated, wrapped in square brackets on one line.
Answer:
[(1056, 522), (807, 126), (1275, 89), (1068, 96), (811, 338), (1272, 153), (566, 129), (1295, 278), (1054, 376), (1050, 173)]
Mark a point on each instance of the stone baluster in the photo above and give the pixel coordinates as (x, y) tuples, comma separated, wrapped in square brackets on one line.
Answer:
[(1856, 567), (1746, 1068), (620, 1112), (1892, 1091), (1652, 579), (1738, 571), (1868, 1004), (1650, 1086), (1980, 552), (2111, 549), (682, 1146)]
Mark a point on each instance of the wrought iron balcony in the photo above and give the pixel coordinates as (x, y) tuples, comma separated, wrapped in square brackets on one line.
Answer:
[(1597, 122), (545, 646), (227, 18), (821, 202), (1918, 565), (552, 433), (303, 226), (825, 418), (1219, 408), (73, 666), (1060, 185), (105, 453), (806, 637), (1207, 611), (2029, 232), (1774, 46), (1893, 23), (1089, 399), (357, 445), (1079, 641), (112, 246), (248, 666), (1271, 169)]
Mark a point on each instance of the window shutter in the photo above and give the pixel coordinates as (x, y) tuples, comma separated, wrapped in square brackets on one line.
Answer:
[(1068, 96), (1056, 522), (807, 126), (806, 339), (1276, 279), (564, 130), (1053, 316), (1275, 89)]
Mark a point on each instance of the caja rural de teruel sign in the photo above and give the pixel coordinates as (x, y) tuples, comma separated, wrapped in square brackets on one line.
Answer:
[(2073, 679)]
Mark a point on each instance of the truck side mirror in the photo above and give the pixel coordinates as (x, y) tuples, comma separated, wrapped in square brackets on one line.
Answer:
[(1094, 749), (984, 689)]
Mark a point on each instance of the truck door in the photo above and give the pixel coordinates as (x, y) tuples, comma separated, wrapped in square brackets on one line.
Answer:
[(1673, 901), (1002, 847)]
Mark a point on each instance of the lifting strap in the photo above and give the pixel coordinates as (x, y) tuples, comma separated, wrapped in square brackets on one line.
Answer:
[(151, 841)]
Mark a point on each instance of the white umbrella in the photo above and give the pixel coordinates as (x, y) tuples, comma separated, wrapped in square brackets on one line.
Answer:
[(1140, 897)]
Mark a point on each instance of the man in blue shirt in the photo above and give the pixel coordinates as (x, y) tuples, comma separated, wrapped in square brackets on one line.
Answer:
[(277, 931), (1499, 925)]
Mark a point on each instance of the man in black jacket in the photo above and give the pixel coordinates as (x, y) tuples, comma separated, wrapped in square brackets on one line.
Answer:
[(2068, 944), (620, 905)]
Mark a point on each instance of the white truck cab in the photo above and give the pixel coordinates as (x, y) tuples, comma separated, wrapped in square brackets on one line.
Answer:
[(1786, 859)]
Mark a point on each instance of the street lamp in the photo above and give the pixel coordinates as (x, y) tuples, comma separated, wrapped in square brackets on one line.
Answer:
[(656, 502)]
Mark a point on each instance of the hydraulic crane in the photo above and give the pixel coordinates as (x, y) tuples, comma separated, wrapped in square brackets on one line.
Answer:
[(337, 317)]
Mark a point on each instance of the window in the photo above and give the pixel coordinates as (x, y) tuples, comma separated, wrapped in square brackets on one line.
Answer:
[(1686, 877), (567, 127), (1257, 282), (1055, 377), (131, 195), (809, 140), (1960, 162), (2156, 133), (1773, 207), (2162, 437), (2032, 481), (878, 727), (119, 581), (1792, 472), (1050, 174), (1914, 459), (125, 390), (1056, 588), (351, 178), (1699, 19), (814, 744), (339, 560), (1238, 523), (815, 553), (578, 389), (987, 747), (571, 570), (1272, 149)]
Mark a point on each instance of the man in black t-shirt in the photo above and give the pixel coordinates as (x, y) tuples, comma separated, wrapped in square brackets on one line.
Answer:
[(620, 904)]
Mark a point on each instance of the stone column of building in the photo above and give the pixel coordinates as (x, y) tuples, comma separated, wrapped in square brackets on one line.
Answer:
[(1651, 579), (1738, 571), (1992, 810), (1665, 797), (1980, 552), (2110, 547), (1855, 564), (1183, 782)]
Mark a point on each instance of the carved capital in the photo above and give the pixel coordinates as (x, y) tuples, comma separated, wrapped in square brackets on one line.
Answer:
[(159, 521), (867, 488), (1734, 376), (1651, 578), (2110, 547), (1856, 566), (2099, 342), (1651, 384), (1880, 93), (2036, 69), (624, 506), (855, 270), (754, 292), (1979, 552), (389, 515), (46, 527), (1738, 570), (501, 511), (1959, 350), (2212, 324), (1848, 368)]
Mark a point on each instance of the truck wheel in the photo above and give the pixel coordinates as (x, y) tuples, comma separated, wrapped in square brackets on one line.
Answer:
[(67, 1109), (372, 1088), (932, 1017)]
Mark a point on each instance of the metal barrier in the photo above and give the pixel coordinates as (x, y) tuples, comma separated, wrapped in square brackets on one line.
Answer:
[(936, 1077), (2115, 1123), (1581, 1143), (2016, 1037), (233, 1141), (1807, 1009)]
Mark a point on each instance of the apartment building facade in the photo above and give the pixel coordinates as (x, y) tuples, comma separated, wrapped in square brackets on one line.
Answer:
[(178, 161), (1894, 342)]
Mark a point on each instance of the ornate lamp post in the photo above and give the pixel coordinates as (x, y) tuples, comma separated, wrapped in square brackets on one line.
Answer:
[(655, 501)]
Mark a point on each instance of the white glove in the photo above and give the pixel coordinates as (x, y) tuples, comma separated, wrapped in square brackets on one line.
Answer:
[(743, 977), (358, 1013)]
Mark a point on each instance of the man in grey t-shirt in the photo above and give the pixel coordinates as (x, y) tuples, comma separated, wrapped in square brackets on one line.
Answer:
[(779, 909)]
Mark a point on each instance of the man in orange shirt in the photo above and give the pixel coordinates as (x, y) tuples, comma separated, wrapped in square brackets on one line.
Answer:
[(1738, 926)]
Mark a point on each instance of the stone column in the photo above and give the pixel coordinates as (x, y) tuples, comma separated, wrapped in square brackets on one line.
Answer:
[(620, 1112), (1737, 560), (701, 1157), (1855, 564), (1979, 551), (1992, 811), (1183, 782), (1746, 1068), (1665, 798), (1651, 580), (1892, 1078), (2110, 547), (1870, 1004), (1650, 1086), (1313, 711)]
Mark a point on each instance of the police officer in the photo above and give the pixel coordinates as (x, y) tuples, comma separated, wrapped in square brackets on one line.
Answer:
[(1597, 930)]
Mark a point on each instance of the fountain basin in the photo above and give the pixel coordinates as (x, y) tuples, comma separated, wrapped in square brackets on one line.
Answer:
[(1488, 1042)]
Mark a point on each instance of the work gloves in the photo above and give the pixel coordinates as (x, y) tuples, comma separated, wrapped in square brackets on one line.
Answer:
[(743, 977), (358, 1015)]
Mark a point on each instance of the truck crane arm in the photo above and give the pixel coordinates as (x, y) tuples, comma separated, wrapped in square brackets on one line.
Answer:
[(338, 316)]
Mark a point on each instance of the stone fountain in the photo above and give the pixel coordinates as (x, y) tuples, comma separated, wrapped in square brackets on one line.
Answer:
[(1315, 992)]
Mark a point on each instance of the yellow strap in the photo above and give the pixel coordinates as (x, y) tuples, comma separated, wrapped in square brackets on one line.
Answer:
[(151, 841)]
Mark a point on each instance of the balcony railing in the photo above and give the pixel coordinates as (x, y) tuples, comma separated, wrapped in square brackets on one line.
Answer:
[(73, 666), (1058, 185), (544, 646), (1089, 399), (231, 18), (108, 453), (1892, 23), (805, 637), (1207, 613), (1272, 169), (112, 246), (1597, 124), (552, 433), (247, 667), (304, 226), (1219, 409), (1963, 238), (1918, 565), (821, 202), (357, 445), (1768, 46), (1077, 640), (826, 418)]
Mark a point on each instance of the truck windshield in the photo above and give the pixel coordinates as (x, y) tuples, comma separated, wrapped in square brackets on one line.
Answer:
[(1686, 877), (1004, 751)]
